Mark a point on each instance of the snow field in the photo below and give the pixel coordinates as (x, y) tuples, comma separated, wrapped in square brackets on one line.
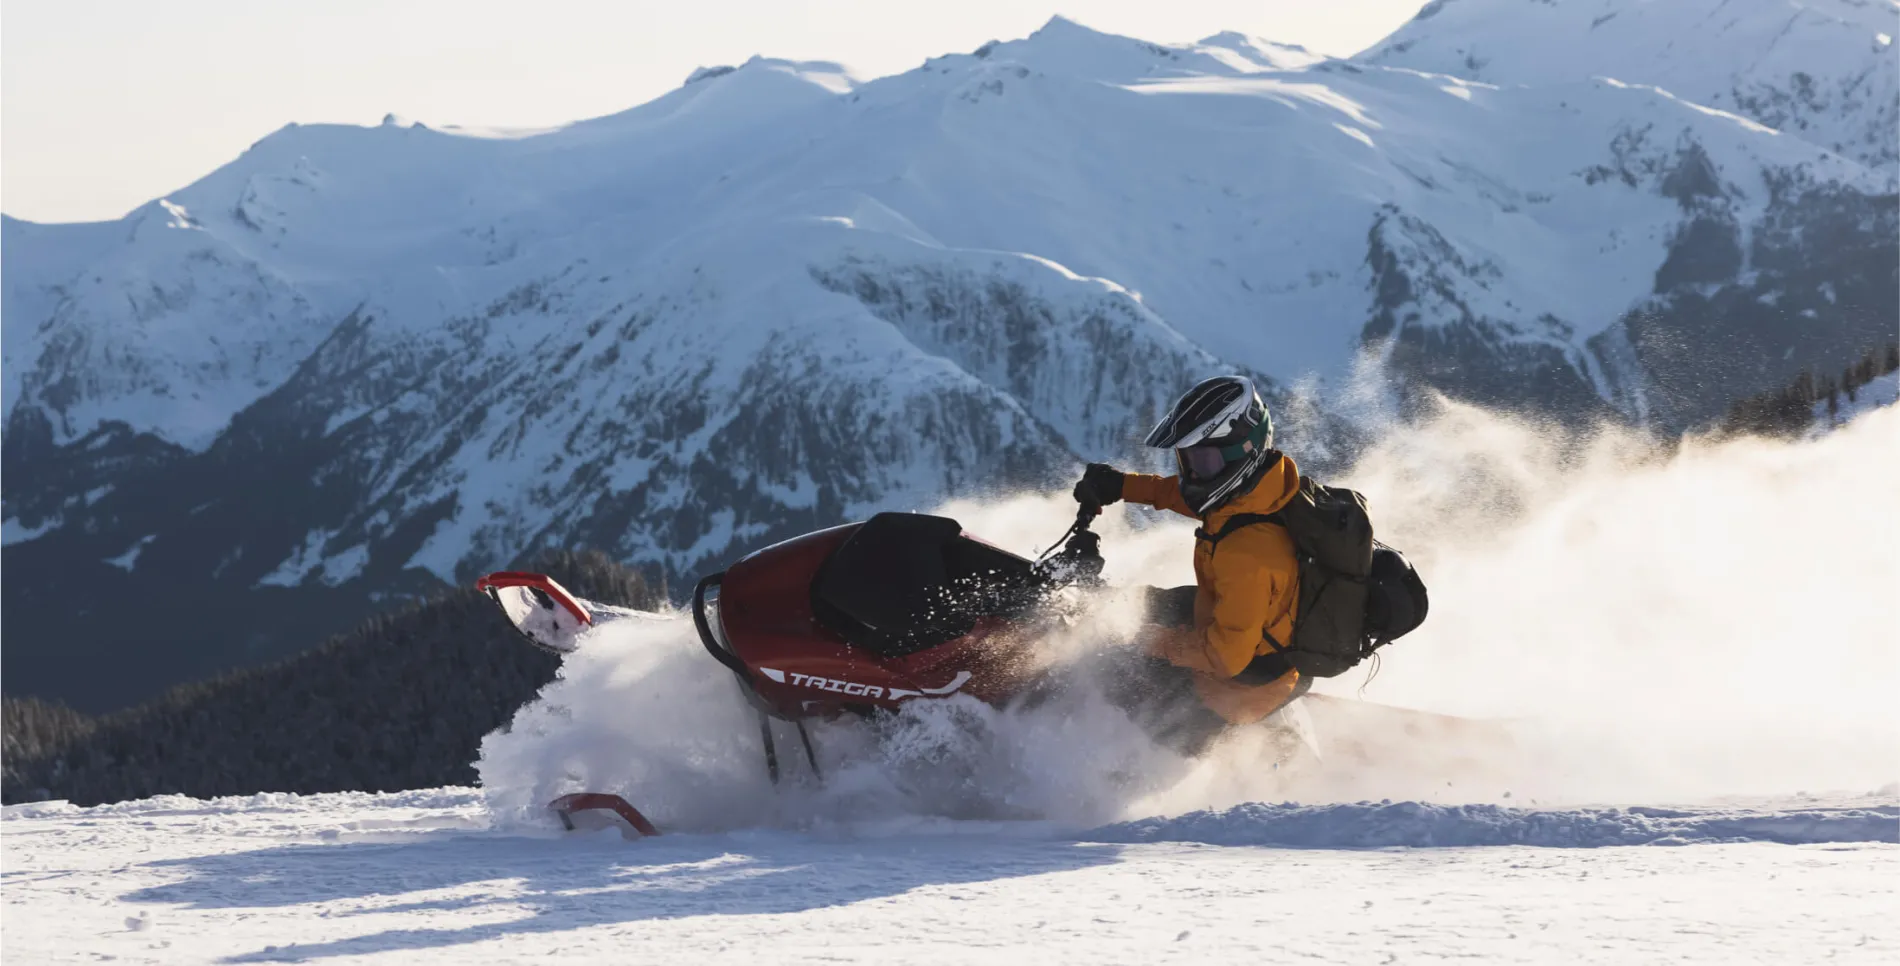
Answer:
[(417, 878)]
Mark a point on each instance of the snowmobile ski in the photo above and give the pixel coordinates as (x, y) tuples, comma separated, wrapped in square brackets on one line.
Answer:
[(567, 805), (541, 609)]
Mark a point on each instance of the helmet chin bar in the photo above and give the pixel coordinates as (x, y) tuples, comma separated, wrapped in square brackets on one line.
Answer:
[(1207, 495)]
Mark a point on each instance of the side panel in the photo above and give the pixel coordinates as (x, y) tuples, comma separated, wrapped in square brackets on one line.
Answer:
[(765, 607)]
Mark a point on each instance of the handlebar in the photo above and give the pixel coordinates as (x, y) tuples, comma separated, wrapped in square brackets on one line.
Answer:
[(1077, 556)]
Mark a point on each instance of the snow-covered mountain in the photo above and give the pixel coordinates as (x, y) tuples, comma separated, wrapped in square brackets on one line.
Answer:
[(1820, 70), (359, 361)]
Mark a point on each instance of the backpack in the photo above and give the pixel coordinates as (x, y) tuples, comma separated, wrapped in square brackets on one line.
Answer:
[(1356, 594)]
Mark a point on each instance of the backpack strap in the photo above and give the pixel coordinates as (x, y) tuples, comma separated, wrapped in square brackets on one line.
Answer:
[(1268, 667), (1233, 523)]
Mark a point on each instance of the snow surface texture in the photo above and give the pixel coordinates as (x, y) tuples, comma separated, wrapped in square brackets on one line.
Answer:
[(422, 877), (1392, 824)]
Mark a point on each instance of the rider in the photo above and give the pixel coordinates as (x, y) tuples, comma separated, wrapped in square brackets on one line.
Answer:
[(1248, 591)]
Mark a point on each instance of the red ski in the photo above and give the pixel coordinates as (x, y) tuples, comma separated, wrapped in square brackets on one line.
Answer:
[(567, 805), (542, 610)]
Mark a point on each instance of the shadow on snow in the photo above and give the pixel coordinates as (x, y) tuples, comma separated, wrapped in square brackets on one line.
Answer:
[(574, 883)]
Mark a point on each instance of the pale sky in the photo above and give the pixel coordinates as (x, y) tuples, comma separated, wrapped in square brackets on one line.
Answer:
[(107, 104)]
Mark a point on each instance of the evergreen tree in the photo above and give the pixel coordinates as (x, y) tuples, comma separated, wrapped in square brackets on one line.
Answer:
[(401, 702)]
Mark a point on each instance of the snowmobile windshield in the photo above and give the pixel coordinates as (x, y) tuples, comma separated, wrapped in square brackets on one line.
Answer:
[(1201, 462)]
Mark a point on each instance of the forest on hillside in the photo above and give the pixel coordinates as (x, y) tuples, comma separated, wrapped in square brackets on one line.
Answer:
[(400, 702), (1790, 410)]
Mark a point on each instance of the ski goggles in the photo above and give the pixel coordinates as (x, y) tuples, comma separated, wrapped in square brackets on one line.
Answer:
[(1200, 462), (1206, 460)]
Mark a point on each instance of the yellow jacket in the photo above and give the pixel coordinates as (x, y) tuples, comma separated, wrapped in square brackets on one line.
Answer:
[(1249, 583)]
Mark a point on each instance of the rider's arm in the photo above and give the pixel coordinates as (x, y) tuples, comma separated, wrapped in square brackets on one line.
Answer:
[(1160, 492)]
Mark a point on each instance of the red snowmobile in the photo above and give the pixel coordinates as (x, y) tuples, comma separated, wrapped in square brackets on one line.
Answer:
[(855, 619), (862, 619)]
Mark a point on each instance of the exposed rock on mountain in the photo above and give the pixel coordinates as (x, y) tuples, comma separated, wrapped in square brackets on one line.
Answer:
[(356, 363)]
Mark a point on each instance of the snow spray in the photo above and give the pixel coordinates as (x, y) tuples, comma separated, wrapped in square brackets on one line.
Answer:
[(1719, 620)]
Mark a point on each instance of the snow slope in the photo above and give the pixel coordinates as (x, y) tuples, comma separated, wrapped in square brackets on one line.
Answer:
[(422, 877), (1234, 189), (1823, 71), (1882, 392)]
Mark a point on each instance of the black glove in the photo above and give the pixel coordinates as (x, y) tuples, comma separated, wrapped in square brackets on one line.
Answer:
[(1101, 485)]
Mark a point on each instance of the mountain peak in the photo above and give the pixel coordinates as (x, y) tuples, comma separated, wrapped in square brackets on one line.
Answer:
[(1058, 24), (1234, 38), (1256, 53), (708, 73), (1067, 48), (829, 75)]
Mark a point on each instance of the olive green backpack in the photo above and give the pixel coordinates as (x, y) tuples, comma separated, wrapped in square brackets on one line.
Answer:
[(1356, 594)]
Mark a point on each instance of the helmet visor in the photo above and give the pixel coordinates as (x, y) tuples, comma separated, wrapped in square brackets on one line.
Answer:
[(1200, 462)]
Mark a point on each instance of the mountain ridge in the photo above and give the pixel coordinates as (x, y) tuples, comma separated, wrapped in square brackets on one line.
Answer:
[(358, 362)]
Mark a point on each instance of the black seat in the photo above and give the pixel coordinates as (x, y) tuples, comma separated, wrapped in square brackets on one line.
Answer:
[(906, 582)]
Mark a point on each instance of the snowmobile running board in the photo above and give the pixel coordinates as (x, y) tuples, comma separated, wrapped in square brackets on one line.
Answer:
[(567, 805)]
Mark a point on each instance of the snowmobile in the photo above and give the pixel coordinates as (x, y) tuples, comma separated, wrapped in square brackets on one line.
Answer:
[(859, 619), (855, 619)]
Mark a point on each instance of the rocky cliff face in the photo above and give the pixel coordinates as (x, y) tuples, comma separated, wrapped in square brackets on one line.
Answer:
[(1766, 272), (357, 363)]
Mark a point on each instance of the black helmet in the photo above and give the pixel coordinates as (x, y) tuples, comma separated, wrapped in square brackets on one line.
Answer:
[(1222, 435)]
